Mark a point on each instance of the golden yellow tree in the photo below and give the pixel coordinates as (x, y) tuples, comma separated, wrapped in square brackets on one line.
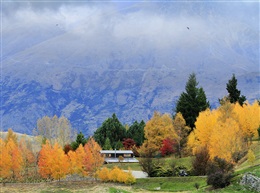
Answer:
[(201, 135), (45, 160), (59, 163), (17, 163), (53, 162), (224, 131), (93, 159), (226, 140), (158, 128), (77, 160), (248, 118)]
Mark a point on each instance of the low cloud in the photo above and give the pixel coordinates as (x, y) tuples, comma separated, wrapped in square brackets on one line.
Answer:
[(134, 28)]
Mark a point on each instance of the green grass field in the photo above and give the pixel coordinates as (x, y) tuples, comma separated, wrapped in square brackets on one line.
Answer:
[(171, 184)]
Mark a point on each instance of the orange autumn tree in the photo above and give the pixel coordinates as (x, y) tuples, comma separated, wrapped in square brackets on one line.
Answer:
[(5, 162), (158, 128), (53, 162), (93, 160), (59, 163), (77, 160), (44, 161), (17, 163)]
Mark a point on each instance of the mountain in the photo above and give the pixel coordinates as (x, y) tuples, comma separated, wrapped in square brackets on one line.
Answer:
[(130, 63)]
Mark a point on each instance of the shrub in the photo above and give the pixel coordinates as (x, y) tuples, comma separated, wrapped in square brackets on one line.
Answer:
[(219, 179), (219, 173), (113, 174), (147, 165), (197, 185), (156, 168), (103, 174), (200, 162), (116, 175)]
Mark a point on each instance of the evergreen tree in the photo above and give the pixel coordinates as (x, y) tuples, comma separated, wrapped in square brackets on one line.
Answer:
[(136, 132), (111, 129), (233, 92), (192, 101), (107, 145), (119, 145), (80, 140)]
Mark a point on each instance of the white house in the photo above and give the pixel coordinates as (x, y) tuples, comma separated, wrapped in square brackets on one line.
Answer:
[(112, 156)]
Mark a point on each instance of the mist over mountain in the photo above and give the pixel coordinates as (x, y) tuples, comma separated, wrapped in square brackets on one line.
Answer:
[(88, 60)]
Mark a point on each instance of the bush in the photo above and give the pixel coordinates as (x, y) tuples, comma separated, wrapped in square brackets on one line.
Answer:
[(200, 162), (113, 174), (147, 165), (219, 179), (219, 173), (103, 174), (116, 175), (157, 168)]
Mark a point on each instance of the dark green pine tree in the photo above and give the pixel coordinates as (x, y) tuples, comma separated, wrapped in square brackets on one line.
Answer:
[(107, 145), (111, 129), (192, 101), (233, 92), (136, 132), (79, 140)]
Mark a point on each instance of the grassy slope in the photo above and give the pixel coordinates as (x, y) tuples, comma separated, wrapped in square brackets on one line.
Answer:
[(34, 141), (248, 167)]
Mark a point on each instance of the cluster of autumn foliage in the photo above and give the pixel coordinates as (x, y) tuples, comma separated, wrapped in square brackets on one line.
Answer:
[(164, 135), (85, 161), (18, 161), (116, 175), (227, 131)]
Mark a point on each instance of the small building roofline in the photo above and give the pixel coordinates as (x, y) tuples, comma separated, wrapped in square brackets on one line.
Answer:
[(116, 151)]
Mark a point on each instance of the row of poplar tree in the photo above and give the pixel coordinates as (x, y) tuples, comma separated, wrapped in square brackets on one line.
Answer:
[(19, 161)]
